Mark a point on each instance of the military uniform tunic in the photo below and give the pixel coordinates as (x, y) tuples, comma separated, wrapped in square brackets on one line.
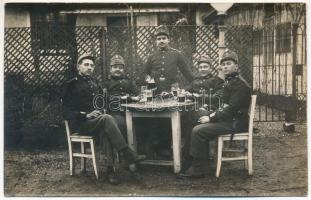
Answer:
[(163, 66), (78, 96), (116, 88), (121, 86), (230, 119), (205, 83)]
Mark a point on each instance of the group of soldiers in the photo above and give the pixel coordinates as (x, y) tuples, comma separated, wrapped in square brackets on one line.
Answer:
[(162, 66)]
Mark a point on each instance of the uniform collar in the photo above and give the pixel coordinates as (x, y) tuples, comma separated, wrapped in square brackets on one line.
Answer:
[(232, 76), (206, 76), (84, 77), (117, 77), (164, 49)]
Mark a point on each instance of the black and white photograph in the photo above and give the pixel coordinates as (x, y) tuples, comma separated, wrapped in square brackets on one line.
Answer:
[(155, 99)]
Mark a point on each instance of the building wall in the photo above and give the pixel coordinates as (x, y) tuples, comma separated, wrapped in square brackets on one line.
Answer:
[(147, 20), (91, 20), (16, 17), (274, 77)]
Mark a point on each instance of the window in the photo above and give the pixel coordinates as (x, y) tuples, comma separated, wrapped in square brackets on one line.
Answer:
[(51, 31), (167, 18), (268, 41), (283, 38)]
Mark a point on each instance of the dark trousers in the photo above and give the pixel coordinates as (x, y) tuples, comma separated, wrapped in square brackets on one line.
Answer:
[(201, 134), (287, 104), (121, 122), (104, 126)]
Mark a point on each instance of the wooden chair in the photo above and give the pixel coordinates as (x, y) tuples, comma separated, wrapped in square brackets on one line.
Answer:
[(248, 148), (76, 138)]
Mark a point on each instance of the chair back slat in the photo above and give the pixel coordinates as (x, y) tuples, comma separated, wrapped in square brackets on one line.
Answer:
[(252, 114)]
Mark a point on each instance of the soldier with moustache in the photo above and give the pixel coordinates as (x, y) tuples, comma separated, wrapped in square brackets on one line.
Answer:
[(120, 90), (83, 111), (163, 64), (232, 117)]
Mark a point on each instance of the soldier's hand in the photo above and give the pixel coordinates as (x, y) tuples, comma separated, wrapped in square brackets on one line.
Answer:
[(202, 109), (225, 105), (93, 114), (135, 98), (204, 119)]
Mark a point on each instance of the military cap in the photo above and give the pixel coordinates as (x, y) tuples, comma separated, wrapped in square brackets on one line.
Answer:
[(162, 30), (229, 55), (205, 58), (87, 55), (117, 60)]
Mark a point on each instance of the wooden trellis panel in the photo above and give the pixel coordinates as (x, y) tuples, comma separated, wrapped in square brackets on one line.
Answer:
[(207, 43), (41, 61), (240, 40), (90, 39), (18, 58)]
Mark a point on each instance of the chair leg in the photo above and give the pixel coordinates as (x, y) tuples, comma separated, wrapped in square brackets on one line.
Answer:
[(82, 158), (219, 155), (94, 158), (71, 161), (246, 154), (250, 158)]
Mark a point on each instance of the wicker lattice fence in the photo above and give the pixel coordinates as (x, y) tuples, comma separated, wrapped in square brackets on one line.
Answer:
[(38, 63)]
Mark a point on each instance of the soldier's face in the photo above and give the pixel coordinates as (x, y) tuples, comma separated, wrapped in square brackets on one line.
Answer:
[(229, 67), (204, 69), (162, 41), (117, 70), (86, 67)]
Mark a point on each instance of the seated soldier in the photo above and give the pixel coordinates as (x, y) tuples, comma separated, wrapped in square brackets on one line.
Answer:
[(205, 83), (232, 117), (120, 90), (81, 108)]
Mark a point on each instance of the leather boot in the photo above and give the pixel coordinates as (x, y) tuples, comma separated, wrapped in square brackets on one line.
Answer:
[(198, 169), (289, 127), (132, 157)]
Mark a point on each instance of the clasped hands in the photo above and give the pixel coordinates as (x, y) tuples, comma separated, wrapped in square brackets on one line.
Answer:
[(93, 114), (204, 119)]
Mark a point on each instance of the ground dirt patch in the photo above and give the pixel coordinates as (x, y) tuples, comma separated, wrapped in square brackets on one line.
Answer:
[(280, 169)]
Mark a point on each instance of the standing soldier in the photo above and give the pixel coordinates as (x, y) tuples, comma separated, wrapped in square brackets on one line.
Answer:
[(80, 108), (162, 66), (120, 90), (232, 117), (164, 63)]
